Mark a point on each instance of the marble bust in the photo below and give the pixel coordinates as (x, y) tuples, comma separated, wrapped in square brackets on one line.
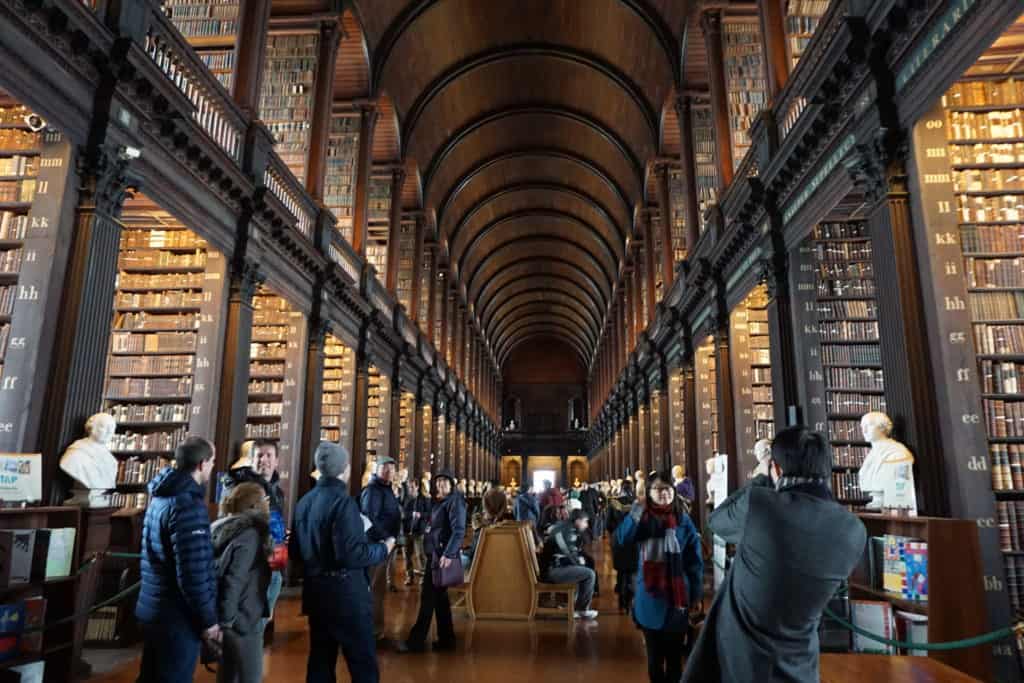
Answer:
[(887, 475), (763, 455), (90, 464), (709, 467)]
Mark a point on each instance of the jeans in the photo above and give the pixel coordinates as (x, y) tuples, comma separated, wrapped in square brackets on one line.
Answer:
[(664, 655), (577, 574), (433, 601), (242, 661), (169, 654)]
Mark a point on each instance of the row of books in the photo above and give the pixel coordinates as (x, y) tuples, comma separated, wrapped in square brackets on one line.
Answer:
[(848, 456), (848, 330), (35, 555), (17, 140), (1002, 378), (161, 259), (879, 617), (154, 342), (19, 164), (130, 413), (836, 230), (266, 387), (148, 387), (1015, 581), (150, 365), (845, 430), (156, 321), (264, 369), (846, 403), (268, 350), (1004, 418), (174, 281), (102, 624), (996, 305), (839, 270), (265, 430), (999, 339), (133, 442), (853, 287), (271, 333), (8, 295), (852, 354), (989, 239), (131, 501), (847, 309), (988, 180), (1001, 208), (994, 272), (158, 238), (1009, 91), (139, 470), (870, 379), (10, 261), (192, 28), (846, 486), (1010, 516), (14, 114), (264, 409), (985, 153), (13, 226), (832, 251), (5, 336), (985, 125)]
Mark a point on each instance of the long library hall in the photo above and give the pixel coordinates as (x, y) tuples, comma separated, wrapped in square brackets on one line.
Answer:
[(482, 340)]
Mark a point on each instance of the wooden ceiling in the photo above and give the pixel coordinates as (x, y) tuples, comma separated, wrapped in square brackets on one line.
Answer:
[(531, 124)]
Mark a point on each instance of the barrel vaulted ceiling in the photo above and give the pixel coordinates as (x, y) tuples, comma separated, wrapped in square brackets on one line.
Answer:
[(531, 125)]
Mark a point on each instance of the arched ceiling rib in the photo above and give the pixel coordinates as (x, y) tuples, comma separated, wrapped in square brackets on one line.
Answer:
[(532, 123)]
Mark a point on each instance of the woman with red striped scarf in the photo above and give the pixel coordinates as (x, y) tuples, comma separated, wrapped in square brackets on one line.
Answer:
[(669, 577)]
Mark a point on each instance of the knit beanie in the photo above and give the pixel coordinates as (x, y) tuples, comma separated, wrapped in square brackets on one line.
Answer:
[(331, 459)]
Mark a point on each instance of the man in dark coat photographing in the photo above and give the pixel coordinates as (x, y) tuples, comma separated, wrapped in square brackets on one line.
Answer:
[(794, 546), (329, 540)]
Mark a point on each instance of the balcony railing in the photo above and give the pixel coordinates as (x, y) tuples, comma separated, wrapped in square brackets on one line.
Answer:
[(283, 185)]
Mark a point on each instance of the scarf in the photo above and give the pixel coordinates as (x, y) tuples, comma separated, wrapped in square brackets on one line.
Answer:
[(661, 557)]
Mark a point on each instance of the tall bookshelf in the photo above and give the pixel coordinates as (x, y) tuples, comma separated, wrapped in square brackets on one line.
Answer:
[(677, 197), (425, 464), (802, 17), (641, 275), (440, 460), (426, 272), (339, 380), (162, 357), (659, 276), (676, 405), (212, 29), (340, 177), (406, 429), (746, 85), (378, 412), (847, 325), (440, 291), (751, 367), (406, 258), (378, 215), (706, 168), (707, 406), (20, 150), (286, 97), (659, 447), (985, 142), (644, 458)]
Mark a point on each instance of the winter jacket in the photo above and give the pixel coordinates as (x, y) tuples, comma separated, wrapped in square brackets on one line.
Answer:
[(378, 502), (241, 545), (588, 499), (624, 555), (653, 612), (447, 526), (551, 497), (178, 577), (412, 525), (328, 538), (527, 509), (236, 476), (794, 547), (562, 548), (242, 475)]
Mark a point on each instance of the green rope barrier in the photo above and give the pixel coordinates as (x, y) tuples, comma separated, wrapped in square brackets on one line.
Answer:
[(81, 615), (983, 639)]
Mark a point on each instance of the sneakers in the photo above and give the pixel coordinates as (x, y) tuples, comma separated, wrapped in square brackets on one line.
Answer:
[(586, 614)]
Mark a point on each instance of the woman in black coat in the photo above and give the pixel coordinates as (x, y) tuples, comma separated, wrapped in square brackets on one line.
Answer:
[(442, 545), (624, 556)]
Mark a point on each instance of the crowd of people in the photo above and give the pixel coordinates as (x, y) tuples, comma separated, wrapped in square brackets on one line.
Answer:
[(208, 590)]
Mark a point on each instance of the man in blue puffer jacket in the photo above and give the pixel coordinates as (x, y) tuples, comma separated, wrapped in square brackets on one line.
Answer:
[(177, 604)]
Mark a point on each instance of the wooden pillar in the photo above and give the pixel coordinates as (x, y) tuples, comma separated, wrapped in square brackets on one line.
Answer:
[(692, 458), (416, 454), (442, 346), (394, 229), (650, 265), (368, 115), (312, 402), (724, 395), (644, 433), (84, 322), (668, 258), (323, 97), (253, 17), (773, 42), (417, 271), (638, 292), (688, 165), (360, 400), (782, 342), (665, 423), (395, 416), (711, 24)]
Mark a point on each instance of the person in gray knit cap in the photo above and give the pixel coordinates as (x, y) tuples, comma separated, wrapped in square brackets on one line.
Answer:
[(329, 541)]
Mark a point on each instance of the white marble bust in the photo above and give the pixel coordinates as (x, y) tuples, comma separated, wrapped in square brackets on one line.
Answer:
[(887, 475), (90, 464), (763, 455), (709, 467)]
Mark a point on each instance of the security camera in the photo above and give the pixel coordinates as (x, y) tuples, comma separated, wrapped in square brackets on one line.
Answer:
[(35, 122)]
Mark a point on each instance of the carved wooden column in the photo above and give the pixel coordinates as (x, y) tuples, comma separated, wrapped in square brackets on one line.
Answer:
[(773, 42), (688, 165), (312, 403), (323, 97), (442, 344), (647, 455), (668, 258), (711, 24), (785, 391), (253, 17), (395, 414), (415, 459), (395, 229), (650, 265), (724, 394), (368, 115), (84, 321), (360, 399)]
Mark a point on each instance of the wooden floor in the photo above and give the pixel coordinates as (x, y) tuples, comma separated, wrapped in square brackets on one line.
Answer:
[(608, 649)]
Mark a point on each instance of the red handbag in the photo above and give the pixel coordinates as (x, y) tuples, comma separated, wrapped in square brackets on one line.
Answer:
[(279, 558)]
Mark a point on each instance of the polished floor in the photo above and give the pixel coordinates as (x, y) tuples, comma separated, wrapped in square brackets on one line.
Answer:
[(609, 649)]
